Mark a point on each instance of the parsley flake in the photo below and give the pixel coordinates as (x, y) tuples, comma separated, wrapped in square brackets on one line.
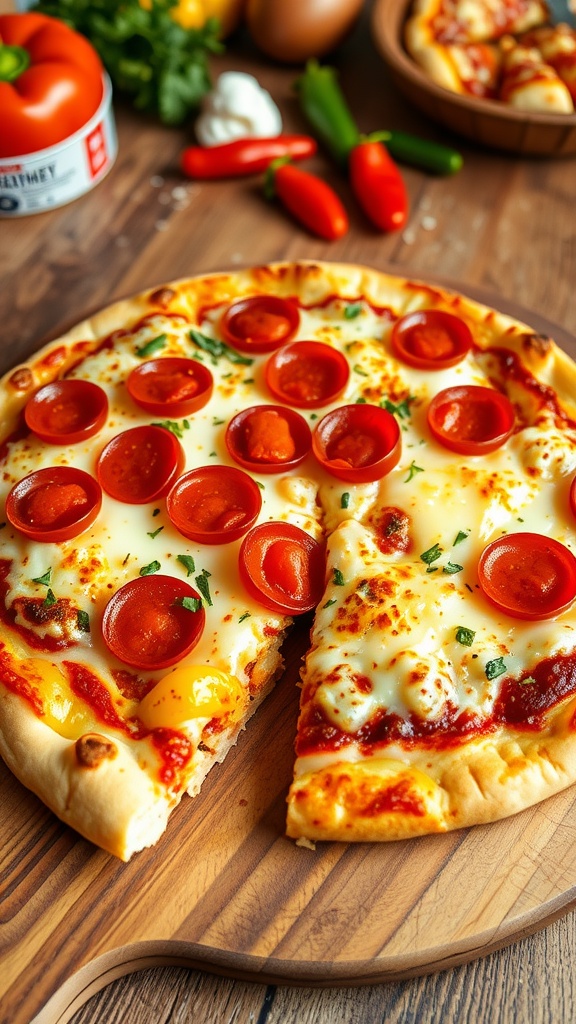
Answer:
[(245, 615), (203, 585), (494, 668), (155, 533), (358, 369), (400, 409), (460, 536), (83, 621), (188, 562), (451, 568), (173, 426), (345, 500), (412, 470), (338, 578), (49, 600), (431, 554), (330, 602), (465, 636), (352, 310), (148, 570), (154, 345), (217, 348), (44, 580), (191, 604)]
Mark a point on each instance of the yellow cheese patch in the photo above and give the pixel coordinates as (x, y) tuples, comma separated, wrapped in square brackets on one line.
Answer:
[(194, 691)]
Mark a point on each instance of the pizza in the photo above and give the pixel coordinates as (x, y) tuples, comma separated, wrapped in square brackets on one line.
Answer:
[(190, 470), (502, 50)]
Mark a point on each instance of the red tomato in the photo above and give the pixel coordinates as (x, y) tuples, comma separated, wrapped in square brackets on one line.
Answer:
[(173, 387), (260, 323), (67, 411), (528, 576), (147, 624), (140, 464), (268, 438), (51, 82), (214, 504), (54, 504), (282, 568), (471, 419), (431, 339), (358, 443), (307, 374)]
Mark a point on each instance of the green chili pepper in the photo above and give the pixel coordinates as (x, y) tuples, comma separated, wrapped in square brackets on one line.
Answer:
[(411, 149)]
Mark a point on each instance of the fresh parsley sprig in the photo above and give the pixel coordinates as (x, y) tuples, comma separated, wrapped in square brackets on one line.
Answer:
[(161, 66)]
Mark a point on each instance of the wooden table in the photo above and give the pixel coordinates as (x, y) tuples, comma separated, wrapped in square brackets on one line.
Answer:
[(502, 225)]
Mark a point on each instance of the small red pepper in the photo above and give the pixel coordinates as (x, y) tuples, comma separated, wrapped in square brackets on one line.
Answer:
[(378, 185), (308, 198), (244, 156), (51, 82)]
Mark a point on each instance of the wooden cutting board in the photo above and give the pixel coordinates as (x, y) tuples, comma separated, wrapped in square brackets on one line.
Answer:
[(227, 892)]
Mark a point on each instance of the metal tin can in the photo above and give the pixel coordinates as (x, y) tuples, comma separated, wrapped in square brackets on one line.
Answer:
[(40, 181)]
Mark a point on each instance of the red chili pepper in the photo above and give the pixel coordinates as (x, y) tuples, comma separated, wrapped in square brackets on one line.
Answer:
[(309, 199), (378, 185), (244, 156)]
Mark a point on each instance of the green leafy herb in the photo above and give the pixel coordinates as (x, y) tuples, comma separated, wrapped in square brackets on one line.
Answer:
[(217, 349), (152, 567), (495, 668), (44, 580), (352, 311), (345, 500), (330, 602), (174, 427), (338, 578), (191, 604), (460, 536), (49, 600), (401, 409), (126, 559), (358, 369), (527, 681), (155, 532), (451, 568), (412, 470), (465, 636), (188, 562), (203, 585), (83, 621), (431, 554), (162, 67), (152, 346), (245, 615)]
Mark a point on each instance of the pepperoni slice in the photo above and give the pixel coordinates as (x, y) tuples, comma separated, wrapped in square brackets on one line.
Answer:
[(153, 621), (268, 438), (260, 323), (282, 568), (307, 374), (54, 504), (528, 576), (67, 411), (140, 464), (172, 387), (431, 339), (214, 504), (471, 419), (357, 443)]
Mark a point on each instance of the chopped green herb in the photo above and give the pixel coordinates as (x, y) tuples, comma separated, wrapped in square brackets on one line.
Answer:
[(217, 349), (338, 578), (527, 681), (345, 500), (412, 470), (460, 536), (465, 636), (173, 426), (401, 409), (126, 559), (361, 401), (155, 533), (431, 554), (358, 369), (495, 668), (152, 567), (152, 346), (83, 621), (50, 599), (44, 580), (352, 311), (216, 422), (156, 512), (188, 563), (330, 602), (191, 604), (203, 585), (451, 568), (245, 615)]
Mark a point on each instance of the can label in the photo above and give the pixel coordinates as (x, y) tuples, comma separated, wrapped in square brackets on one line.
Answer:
[(55, 176)]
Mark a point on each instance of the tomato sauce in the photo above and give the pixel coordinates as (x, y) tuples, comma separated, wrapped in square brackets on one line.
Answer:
[(174, 750), (37, 613)]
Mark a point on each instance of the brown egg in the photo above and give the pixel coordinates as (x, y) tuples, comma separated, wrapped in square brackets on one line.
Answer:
[(294, 30)]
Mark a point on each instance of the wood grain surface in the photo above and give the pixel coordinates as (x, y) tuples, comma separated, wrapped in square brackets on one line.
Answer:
[(225, 892)]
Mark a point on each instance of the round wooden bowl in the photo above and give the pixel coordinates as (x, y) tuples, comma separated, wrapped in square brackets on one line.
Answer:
[(487, 122)]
